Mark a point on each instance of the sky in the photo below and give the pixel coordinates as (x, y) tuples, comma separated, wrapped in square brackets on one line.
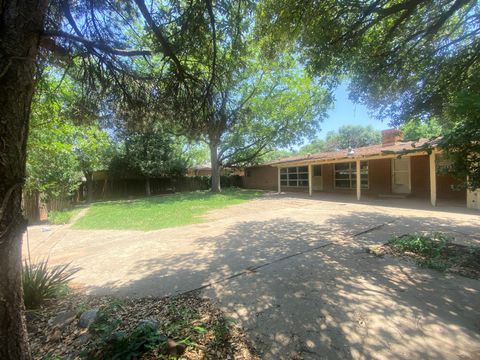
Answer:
[(346, 112)]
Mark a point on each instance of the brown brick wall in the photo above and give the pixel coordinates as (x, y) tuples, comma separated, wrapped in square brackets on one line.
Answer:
[(379, 177), (327, 177), (261, 177), (445, 191), (420, 176)]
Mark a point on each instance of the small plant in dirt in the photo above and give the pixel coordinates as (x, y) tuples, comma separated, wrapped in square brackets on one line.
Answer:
[(221, 331), (112, 343), (436, 251), (431, 246), (168, 328), (120, 345), (42, 282)]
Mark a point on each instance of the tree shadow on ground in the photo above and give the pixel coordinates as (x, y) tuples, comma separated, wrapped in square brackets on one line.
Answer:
[(335, 301)]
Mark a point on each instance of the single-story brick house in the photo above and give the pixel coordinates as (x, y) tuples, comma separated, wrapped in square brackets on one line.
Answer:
[(375, 170)]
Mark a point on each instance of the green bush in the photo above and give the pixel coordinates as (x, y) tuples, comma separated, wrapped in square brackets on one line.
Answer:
[(42, 282)]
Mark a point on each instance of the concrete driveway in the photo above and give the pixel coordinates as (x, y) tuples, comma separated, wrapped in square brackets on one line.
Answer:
[(293, 271)]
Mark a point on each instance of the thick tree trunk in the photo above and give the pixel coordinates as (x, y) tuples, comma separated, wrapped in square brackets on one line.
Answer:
[(21, 23), (147, 186), (89, 177), (215, 164)]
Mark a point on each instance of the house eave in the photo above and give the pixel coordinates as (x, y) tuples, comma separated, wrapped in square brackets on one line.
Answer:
[(349, 158)]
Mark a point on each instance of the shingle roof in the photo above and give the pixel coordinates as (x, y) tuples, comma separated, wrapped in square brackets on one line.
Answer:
[(365, 151)]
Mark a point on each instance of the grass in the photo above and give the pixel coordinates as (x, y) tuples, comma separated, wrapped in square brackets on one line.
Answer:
[(160, 211), (438, 251), (62, 217)]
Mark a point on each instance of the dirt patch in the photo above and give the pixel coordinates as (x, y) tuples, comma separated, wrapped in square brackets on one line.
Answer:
[(434, 251), (193, 328)]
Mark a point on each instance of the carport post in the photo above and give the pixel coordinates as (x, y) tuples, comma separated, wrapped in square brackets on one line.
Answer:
[(359, 185), (310, 179), (433, 179), (279, 182)]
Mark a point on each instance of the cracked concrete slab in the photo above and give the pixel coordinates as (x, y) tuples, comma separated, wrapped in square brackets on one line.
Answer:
[(331, 302)]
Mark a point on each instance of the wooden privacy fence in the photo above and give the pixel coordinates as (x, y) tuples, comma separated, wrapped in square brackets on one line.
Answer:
[(121, 188), (36, 208)]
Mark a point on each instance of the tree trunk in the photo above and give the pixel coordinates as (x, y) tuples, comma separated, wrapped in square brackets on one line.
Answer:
[(21, 23), (147, 186), (89, 177), (215, 165)]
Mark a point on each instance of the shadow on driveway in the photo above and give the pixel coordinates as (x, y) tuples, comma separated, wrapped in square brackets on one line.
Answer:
[(331, 302)]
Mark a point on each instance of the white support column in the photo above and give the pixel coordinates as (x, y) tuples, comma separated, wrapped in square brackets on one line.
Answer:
[(279, 181), (433, 179), (310, 179), (359, 179)]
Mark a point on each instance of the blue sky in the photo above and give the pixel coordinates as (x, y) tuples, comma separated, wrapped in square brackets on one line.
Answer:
[(346, 112)]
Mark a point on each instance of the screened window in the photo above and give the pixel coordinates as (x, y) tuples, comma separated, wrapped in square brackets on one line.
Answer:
[(346, 175), (294, 176)]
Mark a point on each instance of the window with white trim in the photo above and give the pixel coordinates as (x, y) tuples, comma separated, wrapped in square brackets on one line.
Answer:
[(346, 175), (296, 176)]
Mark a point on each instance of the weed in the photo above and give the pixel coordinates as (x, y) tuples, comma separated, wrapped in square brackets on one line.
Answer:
[(424, 245), (113, 344), (119, 345), (437, 251), (221, 331)]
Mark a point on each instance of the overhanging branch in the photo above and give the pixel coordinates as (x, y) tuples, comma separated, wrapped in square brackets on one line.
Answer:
[(166, 48), (48, 35)]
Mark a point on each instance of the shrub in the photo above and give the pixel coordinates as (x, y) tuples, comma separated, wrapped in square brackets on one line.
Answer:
[(42, 282)]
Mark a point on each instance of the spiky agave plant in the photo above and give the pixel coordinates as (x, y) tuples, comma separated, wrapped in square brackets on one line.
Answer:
[(43, 282)]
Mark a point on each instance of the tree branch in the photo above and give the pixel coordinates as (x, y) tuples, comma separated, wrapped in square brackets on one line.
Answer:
[(166, 48), (47, 43), (214, 43)]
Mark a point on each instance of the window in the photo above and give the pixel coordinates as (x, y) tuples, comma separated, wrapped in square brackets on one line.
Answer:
[(248, 173), (294, 176), (346, 175)]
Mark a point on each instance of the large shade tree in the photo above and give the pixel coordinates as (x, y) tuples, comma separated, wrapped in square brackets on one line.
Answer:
[(114, 50), (352, 136), (407, 59), (347, 136), (238, 104), (93, 42)]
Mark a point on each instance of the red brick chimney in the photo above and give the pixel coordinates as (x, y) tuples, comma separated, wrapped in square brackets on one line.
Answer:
[(391, 137)]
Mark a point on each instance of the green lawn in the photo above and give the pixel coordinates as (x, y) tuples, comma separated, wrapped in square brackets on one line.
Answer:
[(63, 216), (159, 212)]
